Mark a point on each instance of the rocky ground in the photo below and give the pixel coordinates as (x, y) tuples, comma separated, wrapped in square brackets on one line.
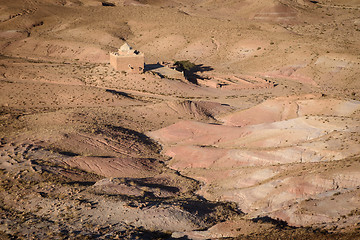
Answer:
[(265, 146)]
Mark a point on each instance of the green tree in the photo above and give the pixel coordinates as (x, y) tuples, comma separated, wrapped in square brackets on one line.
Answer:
[(185, 65)]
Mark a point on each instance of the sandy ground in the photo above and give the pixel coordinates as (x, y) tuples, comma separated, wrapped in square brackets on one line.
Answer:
[(265, 146)]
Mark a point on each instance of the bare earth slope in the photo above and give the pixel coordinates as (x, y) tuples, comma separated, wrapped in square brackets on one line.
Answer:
[(254, 165), (265, 145)]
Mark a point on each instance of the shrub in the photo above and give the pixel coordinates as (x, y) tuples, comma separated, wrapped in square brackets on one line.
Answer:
[(185, 65)]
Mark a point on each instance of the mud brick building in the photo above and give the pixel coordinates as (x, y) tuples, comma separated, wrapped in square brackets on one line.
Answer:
[(128, 60)]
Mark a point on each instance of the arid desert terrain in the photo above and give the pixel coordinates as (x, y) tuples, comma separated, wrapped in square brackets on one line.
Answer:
[(261, 141)]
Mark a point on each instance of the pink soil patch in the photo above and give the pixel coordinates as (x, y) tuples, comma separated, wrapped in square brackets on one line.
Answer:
[(194, 157), (283, 109), (279, 13), (272, 137), (113, 167), (290, 73), (192, 132)]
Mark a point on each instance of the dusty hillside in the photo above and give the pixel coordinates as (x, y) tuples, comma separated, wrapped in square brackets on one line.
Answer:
[(264, 141)]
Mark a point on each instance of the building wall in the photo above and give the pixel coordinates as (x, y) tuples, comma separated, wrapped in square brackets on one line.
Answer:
[(128, 63)]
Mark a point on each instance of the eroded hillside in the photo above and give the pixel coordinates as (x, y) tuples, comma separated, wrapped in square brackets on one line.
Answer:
[(266, 144)]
